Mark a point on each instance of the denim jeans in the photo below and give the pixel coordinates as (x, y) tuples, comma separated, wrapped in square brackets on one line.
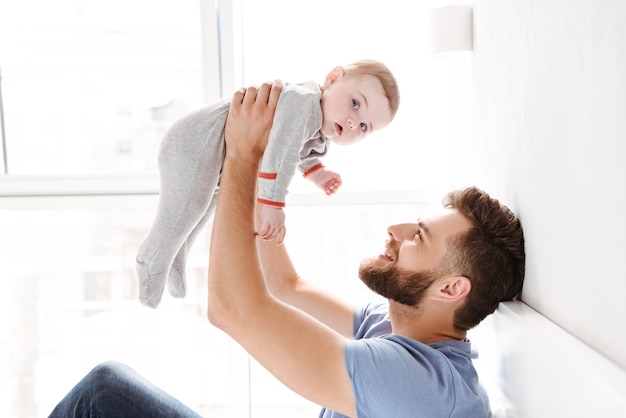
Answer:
[(115, 390)]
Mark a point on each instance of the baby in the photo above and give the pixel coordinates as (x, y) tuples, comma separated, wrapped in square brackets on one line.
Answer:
[(353, 102)]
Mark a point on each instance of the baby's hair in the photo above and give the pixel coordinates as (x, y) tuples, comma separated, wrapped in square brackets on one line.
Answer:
[(382, 73)]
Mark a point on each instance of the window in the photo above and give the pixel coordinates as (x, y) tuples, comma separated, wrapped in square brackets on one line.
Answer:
[(89, 87)]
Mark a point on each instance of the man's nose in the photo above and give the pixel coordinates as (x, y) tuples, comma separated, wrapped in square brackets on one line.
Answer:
[(399, 232), (394, 232)]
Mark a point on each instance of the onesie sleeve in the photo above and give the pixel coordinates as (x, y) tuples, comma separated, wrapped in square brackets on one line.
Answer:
[(298, 117), (310, 166)]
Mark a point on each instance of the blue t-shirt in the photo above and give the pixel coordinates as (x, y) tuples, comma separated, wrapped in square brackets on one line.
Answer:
[(395, 376)]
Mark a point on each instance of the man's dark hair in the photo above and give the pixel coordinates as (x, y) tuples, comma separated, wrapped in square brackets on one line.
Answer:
[(490, 254)]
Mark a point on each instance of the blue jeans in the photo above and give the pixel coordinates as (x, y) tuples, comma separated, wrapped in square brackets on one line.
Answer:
[(115, 390)]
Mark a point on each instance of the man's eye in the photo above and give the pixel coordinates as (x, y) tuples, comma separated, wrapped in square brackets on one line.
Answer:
[(418, 234)]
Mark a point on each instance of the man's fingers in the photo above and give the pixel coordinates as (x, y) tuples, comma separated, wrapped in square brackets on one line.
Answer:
[(276, 88), (238, 96), (250, 95), (250, 119), (263, 94), (268, 93)]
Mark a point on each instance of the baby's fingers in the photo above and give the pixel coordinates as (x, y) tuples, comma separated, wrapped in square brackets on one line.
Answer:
[(267, 232), (263, 230), (332, 187), (280, 235)]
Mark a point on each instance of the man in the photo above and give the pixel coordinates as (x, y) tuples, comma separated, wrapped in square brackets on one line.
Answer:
[(442, 275)]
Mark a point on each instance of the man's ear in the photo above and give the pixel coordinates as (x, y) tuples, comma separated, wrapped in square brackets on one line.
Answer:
[(453, 288), (334, 75)]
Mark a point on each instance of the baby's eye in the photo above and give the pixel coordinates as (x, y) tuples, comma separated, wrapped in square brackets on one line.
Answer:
[(418, 234), (355, 104), (363, 127)]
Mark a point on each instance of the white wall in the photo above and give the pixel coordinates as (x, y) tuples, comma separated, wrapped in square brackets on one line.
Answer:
[(550, 88)]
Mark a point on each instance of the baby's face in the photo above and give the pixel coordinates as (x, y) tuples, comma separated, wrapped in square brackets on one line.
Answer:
[(354, 106)]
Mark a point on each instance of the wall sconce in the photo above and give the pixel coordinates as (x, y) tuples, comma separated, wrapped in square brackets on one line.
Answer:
[(451, 31)]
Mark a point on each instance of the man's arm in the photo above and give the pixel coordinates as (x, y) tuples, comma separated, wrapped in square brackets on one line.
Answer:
[(303, 353), (285, 283)]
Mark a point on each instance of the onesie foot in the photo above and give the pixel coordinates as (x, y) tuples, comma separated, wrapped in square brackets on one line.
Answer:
[(176, 283), (151, 286)]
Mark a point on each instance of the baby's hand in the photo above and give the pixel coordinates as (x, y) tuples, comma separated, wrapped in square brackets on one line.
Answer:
[(327, 180), (272, 221)]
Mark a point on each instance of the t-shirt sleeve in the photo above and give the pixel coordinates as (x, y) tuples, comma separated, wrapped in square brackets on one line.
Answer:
[(371, 320)]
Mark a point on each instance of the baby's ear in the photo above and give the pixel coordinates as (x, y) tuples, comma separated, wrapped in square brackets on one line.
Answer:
[(334, 75)]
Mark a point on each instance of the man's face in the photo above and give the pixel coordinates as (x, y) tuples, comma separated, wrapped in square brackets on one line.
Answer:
[(409, 264)]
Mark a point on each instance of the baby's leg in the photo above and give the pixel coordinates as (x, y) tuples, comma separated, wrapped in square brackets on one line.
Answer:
[(177, 279), (189, 173)]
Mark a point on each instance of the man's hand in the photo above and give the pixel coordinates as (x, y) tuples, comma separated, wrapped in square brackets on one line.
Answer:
[(272, 223), (250, 120)]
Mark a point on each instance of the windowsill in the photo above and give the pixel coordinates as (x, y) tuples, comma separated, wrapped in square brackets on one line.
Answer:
[(141, 190), (67, 185)]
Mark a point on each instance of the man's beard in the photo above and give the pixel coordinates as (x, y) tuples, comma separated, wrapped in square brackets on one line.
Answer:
[(392, 282)]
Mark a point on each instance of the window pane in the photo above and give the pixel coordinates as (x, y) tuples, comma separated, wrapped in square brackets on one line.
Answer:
[(88, 87), (71, 302)]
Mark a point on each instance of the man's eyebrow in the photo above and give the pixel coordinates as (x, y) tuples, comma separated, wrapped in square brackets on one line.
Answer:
[(424, 227)]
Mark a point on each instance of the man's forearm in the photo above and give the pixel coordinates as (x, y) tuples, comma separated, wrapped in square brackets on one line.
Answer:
[(236, 286), (234, 271)]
